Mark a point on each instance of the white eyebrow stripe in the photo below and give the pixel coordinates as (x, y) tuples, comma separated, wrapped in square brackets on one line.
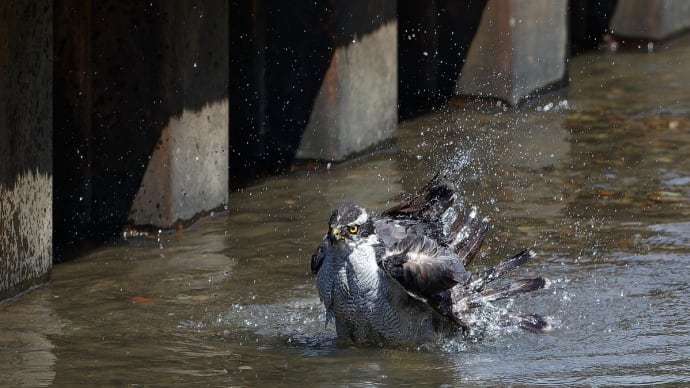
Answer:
[(363, 217)]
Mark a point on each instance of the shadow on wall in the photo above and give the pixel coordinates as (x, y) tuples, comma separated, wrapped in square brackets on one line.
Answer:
[(433, 40), (280, 51), (24, 114), (589, 21), (121, 70), (279, 55), (25, 144)]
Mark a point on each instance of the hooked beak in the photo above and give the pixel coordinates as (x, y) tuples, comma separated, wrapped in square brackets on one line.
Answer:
[(334, 235)]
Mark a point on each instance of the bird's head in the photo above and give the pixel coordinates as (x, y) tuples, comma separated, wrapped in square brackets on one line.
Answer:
[(349, 223)]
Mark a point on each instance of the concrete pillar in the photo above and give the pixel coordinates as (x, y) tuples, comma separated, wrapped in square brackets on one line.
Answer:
[(141, 120), (356, 106), (520, 48), (309, 79), (650, 19), (26, 54), (188, 170)]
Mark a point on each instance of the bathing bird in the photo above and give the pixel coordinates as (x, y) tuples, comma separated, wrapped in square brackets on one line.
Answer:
[(400, 275)]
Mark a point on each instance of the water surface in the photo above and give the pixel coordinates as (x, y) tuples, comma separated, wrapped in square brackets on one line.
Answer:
[(594, 178)]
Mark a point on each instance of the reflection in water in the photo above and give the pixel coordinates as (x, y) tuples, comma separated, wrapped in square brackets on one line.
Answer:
[(28, 353), (596, 179)]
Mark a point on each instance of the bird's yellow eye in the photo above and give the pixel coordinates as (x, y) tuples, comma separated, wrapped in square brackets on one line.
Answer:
[(353, 229)]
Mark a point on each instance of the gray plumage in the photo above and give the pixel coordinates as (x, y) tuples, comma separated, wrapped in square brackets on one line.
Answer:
[(400, 276)]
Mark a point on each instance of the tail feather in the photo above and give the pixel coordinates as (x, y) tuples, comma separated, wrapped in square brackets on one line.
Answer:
[(470, 246), (474, 299), (518, 287), (500, 269), (476, 296), (428, 204), (530, 322)]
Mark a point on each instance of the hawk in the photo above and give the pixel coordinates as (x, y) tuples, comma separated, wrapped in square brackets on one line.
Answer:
[(400, 276)]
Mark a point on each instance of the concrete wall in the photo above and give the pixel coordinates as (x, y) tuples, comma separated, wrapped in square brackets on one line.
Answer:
[(26, 49), (312, 79), (188, 170), (651, 19), (356, 106), (519, 48), (141, 120)]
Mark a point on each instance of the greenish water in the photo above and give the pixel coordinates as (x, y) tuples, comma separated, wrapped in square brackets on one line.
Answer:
[(595, 178)]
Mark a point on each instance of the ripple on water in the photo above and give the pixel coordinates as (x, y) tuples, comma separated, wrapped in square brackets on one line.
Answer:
[(677, 181), (674, 235)]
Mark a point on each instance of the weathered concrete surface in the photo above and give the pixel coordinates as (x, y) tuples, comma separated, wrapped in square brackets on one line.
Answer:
[(520, 47), (130, 77), (356, 106), (26, 52), (188, 171), (309, 80), (650, 19)]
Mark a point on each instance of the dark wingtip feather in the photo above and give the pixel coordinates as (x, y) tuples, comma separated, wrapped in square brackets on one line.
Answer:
[(531, 322), (515, 288), (469, 248), (429, 203), (506, 266), (500, 269)]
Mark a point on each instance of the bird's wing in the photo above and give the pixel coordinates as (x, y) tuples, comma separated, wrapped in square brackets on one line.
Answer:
[(494, 272), (428, 204), (467, 235), (422, 267), (434, 213), (324, 280), (393, 232), (318, 256)]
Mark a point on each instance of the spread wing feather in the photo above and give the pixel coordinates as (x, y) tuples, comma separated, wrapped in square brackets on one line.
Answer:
[(422, 267), (500, 269)]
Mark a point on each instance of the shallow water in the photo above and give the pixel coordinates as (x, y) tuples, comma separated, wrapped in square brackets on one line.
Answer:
[(594, 178)]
